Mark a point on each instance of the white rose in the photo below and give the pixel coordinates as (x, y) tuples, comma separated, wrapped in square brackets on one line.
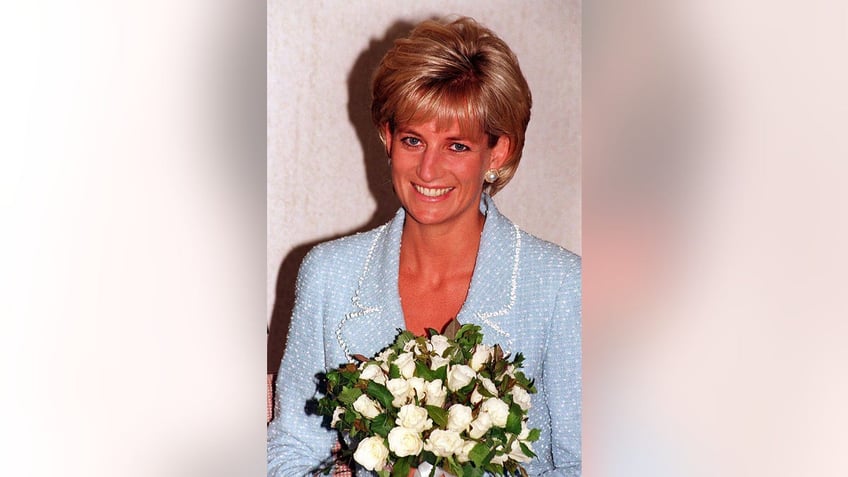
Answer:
[(372, 453), (497, 410), (499, 459), (383, 359), (410, 345), (414, 417), (418, 386), (516, 454), (462, 455), (443, 443), (365, 406), (509, 371), (404, 442), (525, 432), (337, 415), (406, 363), (476, 397), (401, 391), (459, 418), (482, 354), (489, 385), (440, 343), (480, 426), (373, 372), (459, 376), (435, 393), (437, 362), (521, 397)]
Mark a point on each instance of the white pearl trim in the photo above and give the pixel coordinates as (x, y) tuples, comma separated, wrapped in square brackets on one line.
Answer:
[(513, 286), (356, 299)]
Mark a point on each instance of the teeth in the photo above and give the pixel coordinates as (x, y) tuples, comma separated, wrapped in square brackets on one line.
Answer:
[(432, 192)]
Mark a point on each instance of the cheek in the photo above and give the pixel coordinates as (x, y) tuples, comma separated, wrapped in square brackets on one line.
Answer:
[(472, 171), (401, 160)]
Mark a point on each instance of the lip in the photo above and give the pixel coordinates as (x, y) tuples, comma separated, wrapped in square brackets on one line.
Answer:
[(432, 193)]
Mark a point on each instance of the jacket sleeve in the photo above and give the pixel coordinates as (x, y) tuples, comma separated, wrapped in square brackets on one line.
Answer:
[(297, 443), (562, 371)]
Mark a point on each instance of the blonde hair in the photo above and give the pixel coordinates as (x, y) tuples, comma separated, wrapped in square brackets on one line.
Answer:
[(455, 70)]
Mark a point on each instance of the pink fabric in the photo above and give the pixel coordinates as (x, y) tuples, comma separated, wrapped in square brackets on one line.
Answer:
[(341, 469)]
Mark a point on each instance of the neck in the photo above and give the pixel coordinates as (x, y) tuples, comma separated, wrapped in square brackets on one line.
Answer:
[(440, 251)]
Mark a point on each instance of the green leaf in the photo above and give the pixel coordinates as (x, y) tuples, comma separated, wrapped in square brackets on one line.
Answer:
[(403, 338), (526, 450), (498, 434), (348, 377), (381, 425), (383, 473), (429, 457), (469, 470), (452, 466), (348, 395), (468, 387), (326, 406), (422, 371), (496, 469), (394, 371), (380, 393), (401, 467), (441, 373), (534, 435), (468, 329), (484, 392), (513, 421), (479, 455), (521, 379), (438, 415)]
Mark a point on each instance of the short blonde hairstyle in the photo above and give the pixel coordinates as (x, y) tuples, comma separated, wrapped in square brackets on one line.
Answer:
[(455, 70)]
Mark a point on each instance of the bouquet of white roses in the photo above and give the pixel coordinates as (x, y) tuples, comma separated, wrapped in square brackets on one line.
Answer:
[(455, 403)]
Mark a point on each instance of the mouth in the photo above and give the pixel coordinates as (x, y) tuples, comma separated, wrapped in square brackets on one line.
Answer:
[(432, 192)]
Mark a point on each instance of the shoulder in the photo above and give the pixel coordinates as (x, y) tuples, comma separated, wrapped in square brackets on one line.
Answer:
[(338, 258), (533, 254), (349, 249), (542, 255), (548, 270)]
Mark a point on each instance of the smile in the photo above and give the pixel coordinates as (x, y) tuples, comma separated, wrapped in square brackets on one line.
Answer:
[(432, 192)]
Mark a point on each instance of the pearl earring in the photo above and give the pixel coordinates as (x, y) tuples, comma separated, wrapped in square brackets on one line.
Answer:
[(491, 176)]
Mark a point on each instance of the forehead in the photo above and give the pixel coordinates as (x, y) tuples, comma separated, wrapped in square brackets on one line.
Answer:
[(449, 127), (446, 111)]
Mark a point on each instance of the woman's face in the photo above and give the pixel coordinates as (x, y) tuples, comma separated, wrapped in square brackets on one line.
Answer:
[(438, 173)]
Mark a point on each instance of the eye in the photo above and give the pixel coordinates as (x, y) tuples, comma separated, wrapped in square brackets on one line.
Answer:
[(457, 147), (411, 141)]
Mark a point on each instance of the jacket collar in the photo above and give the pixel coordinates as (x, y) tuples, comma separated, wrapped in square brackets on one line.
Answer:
[(377, 311)]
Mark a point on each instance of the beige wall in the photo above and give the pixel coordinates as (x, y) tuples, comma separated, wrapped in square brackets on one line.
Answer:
[(326, 171)]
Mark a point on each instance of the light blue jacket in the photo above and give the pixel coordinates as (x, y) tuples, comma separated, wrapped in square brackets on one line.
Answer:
[(525, 295)]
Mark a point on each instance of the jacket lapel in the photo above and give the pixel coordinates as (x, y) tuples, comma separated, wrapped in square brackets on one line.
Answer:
[(376, 315), (491, 295)]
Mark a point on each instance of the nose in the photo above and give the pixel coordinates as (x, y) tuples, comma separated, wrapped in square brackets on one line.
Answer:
[(429, 164)]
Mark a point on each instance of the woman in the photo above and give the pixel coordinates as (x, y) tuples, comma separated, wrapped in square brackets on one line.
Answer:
[(451, 106)]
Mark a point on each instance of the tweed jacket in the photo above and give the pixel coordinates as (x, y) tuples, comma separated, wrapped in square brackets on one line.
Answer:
[(524, 294)]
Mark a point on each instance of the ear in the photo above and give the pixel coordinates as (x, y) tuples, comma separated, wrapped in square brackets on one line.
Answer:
[(500, 153), (387, 136)]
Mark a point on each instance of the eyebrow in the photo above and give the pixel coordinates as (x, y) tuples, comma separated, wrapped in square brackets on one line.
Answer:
[(412, 131)]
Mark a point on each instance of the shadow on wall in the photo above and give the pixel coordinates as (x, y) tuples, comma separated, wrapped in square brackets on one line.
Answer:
[(377, 175)]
